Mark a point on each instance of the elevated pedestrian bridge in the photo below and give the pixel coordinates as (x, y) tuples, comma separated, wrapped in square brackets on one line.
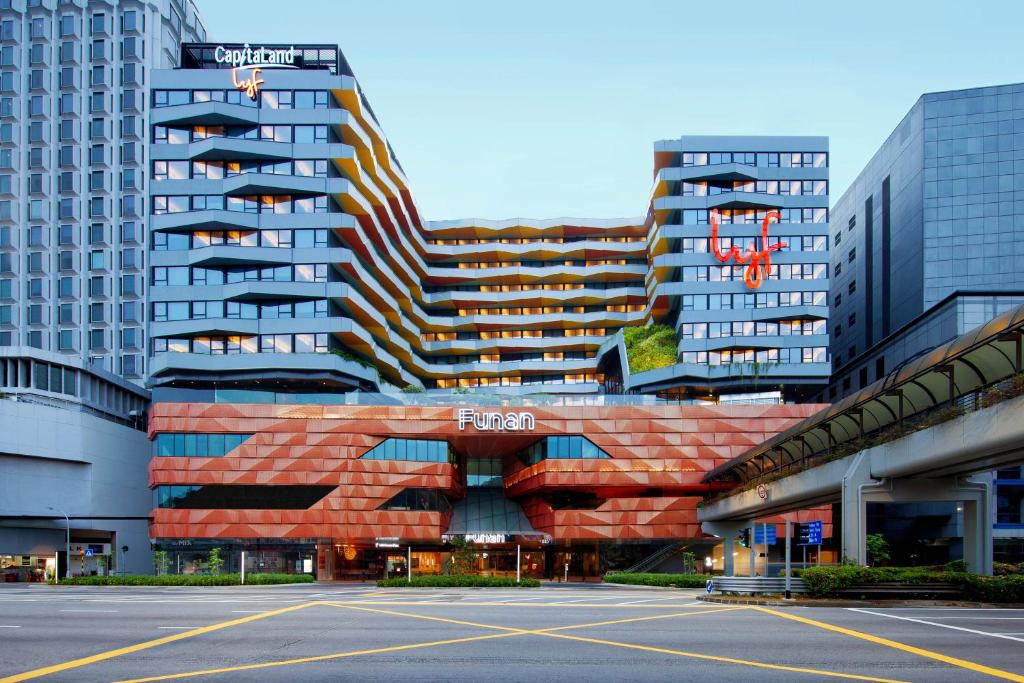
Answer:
[(926, 432)]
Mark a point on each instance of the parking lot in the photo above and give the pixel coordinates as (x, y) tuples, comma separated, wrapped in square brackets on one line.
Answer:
[(336, 632)]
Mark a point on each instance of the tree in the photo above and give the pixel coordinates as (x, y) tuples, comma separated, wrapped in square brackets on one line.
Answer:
[(216, 562), (462, 559), (160, 562), (878, 548)]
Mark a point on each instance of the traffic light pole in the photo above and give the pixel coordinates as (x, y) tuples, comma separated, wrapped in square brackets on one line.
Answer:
[(752, 545)]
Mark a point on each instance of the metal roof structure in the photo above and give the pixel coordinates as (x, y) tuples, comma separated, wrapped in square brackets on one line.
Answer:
[(981, 358)]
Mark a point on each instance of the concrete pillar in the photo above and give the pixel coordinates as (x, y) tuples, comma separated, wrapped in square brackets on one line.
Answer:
[(853, 509), (974, 494)]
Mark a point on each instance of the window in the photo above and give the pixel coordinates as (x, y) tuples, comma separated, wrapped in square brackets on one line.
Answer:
[(574, 447), (852, 255), (66, 286), (97, 339), (96, 313), (66, 340), (419, 450), (67, 25), (65, 314), (197, 445), (852, 287)]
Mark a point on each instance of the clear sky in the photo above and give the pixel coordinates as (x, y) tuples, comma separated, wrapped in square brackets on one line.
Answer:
[(549, 108)]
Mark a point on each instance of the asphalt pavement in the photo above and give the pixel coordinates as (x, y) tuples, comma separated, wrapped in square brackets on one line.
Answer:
[(556, 633)]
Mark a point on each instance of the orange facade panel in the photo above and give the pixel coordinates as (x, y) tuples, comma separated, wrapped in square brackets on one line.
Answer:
[(648, 487)]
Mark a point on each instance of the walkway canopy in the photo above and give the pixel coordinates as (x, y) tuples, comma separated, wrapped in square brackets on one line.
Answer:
[(981, 358)]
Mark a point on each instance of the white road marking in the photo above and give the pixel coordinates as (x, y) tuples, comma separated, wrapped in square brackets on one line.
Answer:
[(249, 611), (985, 618), (91, 611), (932, 623), (8, 626)]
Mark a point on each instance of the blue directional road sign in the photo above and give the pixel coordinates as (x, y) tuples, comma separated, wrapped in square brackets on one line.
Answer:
[(759, 535), (88, 552), (809, 533)]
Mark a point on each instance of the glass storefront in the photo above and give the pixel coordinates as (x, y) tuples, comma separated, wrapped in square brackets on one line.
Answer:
[(27, 568)]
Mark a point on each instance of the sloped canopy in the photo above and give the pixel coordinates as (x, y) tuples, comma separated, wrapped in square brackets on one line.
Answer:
[(984, 356)]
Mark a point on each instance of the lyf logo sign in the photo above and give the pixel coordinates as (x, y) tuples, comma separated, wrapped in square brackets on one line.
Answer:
[(759, 261)]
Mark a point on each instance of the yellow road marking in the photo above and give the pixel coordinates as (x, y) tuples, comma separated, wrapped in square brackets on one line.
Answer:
[(929, 654), (727, 660), (318, 658), (528, 631), (75, 663), (507, 631), (413, 603)]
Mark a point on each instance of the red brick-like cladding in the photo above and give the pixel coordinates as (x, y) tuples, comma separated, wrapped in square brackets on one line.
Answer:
[(650, 485)]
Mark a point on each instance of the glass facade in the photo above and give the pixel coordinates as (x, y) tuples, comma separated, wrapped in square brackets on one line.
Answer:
[(239, 497), (197, 445), (561, 447), (418, 450), (424, 500)]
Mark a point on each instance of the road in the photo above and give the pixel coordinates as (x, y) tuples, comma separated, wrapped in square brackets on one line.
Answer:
[(556, 633)]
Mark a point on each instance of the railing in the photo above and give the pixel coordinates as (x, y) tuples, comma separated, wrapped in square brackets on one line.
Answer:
[(438, 399), (757, 585)]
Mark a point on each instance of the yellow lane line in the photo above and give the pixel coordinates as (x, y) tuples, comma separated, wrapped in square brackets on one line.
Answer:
[(318, 658), (521, 631), (929, 654), (506, 632), (92, 659), (413, 603), (726, 660)]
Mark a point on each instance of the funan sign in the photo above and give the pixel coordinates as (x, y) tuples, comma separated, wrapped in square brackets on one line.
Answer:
[(760, 260), (495, 422)]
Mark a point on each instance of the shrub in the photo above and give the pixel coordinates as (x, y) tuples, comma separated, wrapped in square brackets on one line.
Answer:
[(825, 582), (878, 548), (187, 580), (458, 581), (650, 347), (666, 580)]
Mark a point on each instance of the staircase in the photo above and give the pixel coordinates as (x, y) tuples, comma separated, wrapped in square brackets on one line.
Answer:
[(656, 558)]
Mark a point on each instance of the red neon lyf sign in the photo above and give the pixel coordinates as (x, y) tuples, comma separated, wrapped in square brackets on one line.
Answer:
[(760, 262)]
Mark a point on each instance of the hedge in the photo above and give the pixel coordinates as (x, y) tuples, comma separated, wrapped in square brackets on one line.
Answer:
[(667, 580), (458, 581), (825, 582), (187, 580)]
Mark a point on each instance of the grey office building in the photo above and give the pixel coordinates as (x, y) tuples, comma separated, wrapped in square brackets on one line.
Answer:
[(73, 144), (74, 80), (928, 243)]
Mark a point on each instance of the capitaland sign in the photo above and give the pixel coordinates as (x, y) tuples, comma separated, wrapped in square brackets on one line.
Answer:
[(495, 422), (266, 57), (247, 63)]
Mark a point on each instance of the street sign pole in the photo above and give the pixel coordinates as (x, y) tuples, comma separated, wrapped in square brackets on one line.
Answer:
[(408, 564), (788, 572), (243, 568), (753, 549), (517, 563), (764, 530)]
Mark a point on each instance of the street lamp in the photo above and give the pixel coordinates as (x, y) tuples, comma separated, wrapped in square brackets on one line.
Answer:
[(67, 562)]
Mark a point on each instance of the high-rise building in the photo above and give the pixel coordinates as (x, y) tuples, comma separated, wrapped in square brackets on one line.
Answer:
[(742, 324), (927, 244), (74, 82), (286, 247), (290, 265)]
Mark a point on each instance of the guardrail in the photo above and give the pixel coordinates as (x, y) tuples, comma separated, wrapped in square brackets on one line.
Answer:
[(757, 585)]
